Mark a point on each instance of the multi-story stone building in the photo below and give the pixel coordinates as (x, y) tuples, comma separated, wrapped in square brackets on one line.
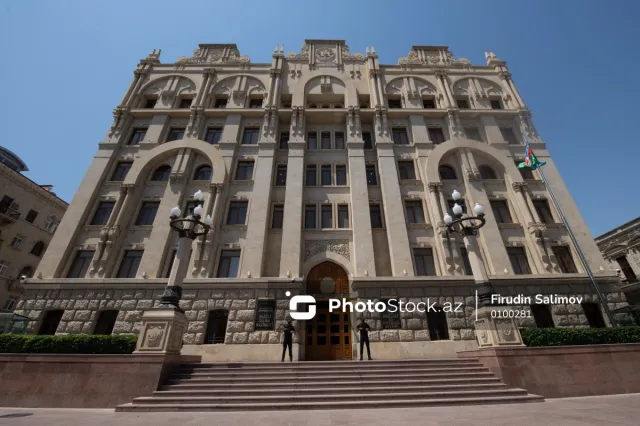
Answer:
[(29, 215), (326, 173), (621, 250)]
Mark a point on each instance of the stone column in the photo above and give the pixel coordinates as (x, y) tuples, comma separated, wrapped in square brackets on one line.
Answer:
[(203, 243), (290, 257)]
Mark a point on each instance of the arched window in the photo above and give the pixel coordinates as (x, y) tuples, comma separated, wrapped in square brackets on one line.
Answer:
[(202, 173), (38, 249), (216, 326), (447, 172), (161, 174), (487, 172), (27, 271)]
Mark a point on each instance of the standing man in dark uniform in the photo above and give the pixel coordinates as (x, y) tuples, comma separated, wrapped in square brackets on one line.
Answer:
[(363, 328), (288, 339)]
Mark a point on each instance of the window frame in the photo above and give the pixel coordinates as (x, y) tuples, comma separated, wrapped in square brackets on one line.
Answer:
[(411, 205), (308, 208), (341, 172), (565, 260), (312, 135), (243, 165), (374, 175), (324, 168), (133, 267), (283, 141), (380, 215), (339, 136), (279, 208), (222, 258), (403, 166), (147, 205), (248, 134), (513, 253), (422, 267), (400, 135), (166, 173), (342, 208), (117, 171), (436, 130), (325, 137), (199, 170), (138, 133), (86, 262), (498, 207), (326, 209), (175, 129), (97, 210), (280, 177), (216, 132), (307, 173), (233, 212), (542, 205)]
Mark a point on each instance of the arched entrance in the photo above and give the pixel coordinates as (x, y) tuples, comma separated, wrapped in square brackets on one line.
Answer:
[(328, 334)]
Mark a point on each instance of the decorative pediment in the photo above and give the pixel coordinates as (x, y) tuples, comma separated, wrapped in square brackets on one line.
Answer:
[(324, 53), (431, 56), (215, 54)]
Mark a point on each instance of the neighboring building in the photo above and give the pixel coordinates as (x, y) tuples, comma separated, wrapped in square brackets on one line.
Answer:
[(29, 215), (325, 173), (621, 250)]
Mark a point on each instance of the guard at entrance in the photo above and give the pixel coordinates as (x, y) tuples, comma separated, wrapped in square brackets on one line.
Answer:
[(363, 328), (288, 330)]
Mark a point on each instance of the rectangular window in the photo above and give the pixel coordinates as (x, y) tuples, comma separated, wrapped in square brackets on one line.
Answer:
[(519, 261), (284, 140), (325, 140), (375, 212), (406, 170), (17, 240), (229, 262), (465, 261), (310, 216), (101, 216), (415, 214), (542, 316), (137, 135), (237, 213), (185, 103), (80, 264), (244, 171), (372, 179), (341, 175), (325, 175), (543, 210), (175, 133), (150, 103), (213, 135), (501, 212), (311, 178), (462, 103), (473, 133), (4, 268), (255, 103), (147, 213), (399, 136), (428, 103), (339, 136), (565, 261), (425, 265), (343, 216), (435, 135), (327, 216), (278, 216), (312, 140), (221, 102), (626, 269), (525, 172), (121, 171), (31, 216), (281, 175), (496, 104), (130, 263), (508, 136), (395, 103), (368, 141), (250, 136), (593, 314)]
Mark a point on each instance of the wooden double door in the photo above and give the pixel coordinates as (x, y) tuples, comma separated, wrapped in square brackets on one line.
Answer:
[(328, 334)]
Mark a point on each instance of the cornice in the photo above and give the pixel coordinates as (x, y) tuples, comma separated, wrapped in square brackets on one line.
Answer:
[(28, 184)]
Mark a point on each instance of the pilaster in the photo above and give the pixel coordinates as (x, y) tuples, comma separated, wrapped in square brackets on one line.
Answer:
[(290, 257)]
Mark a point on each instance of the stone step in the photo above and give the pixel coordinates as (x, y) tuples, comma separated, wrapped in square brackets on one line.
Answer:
[(303, 374), (362, 384), (310, 390), (336, 405), (276, 363), (313, 378), (323, 368)]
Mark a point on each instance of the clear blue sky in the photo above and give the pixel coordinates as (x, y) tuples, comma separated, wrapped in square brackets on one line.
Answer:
[(66, 64)]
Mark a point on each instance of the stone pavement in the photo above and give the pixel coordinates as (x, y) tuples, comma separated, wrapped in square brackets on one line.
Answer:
[(607, 410)]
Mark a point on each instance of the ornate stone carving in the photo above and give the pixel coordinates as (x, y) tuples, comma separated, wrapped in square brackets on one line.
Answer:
[(325, 54), (304, 53), (313, 247), (153, 336), (348, 56), (215, 53), (434, 186), (505, 330)]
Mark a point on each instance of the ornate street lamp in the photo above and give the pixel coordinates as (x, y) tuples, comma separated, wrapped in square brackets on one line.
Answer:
[(468, 226), (189, 228)]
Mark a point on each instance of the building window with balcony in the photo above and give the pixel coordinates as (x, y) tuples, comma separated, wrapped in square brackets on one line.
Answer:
[(325, 175), (130, 263), (399, 136), (244, 170), (519, 261), (137, 135), (425, 265), (102, 213), (312, 140), (284, 140), (341, 175), (339, 137), (237, 213), (80, 264), (564, 259), (543, 211), (250, 136), (501, 212), (415, 213), (311, 176), (435, 135), (175, 133), (281, 175), (372, 178), (213, 135), (147, 213), (229, 264), (375, 213), (406, 170), (310, 216), (277, 217), (121, 170)]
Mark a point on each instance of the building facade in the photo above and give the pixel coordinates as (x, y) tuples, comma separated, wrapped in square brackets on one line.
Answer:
[(325, 173), (29, 215), (621, 250)]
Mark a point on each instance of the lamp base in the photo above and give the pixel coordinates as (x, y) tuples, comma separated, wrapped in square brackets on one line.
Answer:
[(171, 298), (496, 327), (162, 330)]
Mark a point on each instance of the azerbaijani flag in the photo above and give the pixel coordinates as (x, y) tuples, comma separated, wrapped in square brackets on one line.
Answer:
[(530, 160)]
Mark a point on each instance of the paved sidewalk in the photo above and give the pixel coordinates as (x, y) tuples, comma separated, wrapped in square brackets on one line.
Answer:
[(598, 410)]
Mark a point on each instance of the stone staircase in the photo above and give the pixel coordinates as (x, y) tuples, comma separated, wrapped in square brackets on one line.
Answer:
[(328, 385)]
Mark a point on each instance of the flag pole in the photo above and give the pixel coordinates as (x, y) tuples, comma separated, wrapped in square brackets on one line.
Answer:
[(581, 255)]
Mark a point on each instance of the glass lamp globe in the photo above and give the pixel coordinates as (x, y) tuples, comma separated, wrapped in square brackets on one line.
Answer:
[(175, 212), (456, 195), (457, 209), (208, 221), (198, 196), (198, 211), (478, 210), (448, 219)]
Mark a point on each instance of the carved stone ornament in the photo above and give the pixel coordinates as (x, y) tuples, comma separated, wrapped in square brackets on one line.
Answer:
[(213, 56), (313, 247), (304, 53), (346, 55), (153, 336), (325, 54)]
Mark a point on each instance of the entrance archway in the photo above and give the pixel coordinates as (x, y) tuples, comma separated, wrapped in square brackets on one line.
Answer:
[(328, 335)]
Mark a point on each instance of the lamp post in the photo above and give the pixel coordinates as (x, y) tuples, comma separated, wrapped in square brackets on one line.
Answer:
[(468, 227), (494, 325), (164, 325)]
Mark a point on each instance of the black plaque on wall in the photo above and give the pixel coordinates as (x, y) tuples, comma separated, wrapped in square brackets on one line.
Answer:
[(265, 315), (391, 320)]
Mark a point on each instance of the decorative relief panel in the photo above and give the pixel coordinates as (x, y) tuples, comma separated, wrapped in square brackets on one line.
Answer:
[(313, 247), (215, 53), (431, 56)]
